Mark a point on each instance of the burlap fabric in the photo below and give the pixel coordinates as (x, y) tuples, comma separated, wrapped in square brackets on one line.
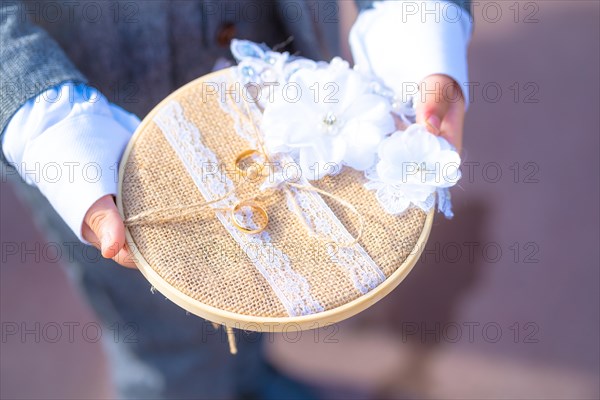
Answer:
[(198, 258)]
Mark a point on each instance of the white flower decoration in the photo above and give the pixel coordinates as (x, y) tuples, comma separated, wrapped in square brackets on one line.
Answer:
[(325, 118), (413, 165)]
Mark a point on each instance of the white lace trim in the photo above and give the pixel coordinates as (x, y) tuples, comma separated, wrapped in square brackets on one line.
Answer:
[(292, 289), (361, 268)]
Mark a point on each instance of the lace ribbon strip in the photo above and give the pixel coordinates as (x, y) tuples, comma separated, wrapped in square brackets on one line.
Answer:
[(291, 288)]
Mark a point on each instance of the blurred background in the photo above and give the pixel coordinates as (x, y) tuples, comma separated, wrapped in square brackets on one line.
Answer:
[(504, 302)]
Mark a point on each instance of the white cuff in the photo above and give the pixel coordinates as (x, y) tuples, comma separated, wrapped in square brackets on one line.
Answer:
[(68, 142), (77, 160), (402, 42)]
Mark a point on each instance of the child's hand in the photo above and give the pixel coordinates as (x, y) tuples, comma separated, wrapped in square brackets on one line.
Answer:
[(103, 228), (441, 108)]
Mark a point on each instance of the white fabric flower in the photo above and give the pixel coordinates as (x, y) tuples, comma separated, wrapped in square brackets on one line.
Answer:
[(326, 118), (413, 165)]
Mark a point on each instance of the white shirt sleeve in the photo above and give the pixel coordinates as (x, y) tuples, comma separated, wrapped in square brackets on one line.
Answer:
[(67, 142), (402, 42)]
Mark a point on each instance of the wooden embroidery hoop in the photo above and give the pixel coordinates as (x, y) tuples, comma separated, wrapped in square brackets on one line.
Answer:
[(249, 322)]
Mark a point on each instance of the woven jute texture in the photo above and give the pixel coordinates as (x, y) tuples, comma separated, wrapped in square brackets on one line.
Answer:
[(200, 259)]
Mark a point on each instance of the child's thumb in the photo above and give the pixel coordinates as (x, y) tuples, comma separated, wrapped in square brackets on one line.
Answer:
[(105, 223)]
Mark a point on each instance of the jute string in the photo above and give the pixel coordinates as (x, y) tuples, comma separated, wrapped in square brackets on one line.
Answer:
[(174, 213)]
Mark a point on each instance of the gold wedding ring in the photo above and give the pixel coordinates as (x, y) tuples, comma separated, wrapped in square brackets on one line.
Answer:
[(255, 207), (245, 155)]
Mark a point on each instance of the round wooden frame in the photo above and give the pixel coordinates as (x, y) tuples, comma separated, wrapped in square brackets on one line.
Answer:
[(253, 323)]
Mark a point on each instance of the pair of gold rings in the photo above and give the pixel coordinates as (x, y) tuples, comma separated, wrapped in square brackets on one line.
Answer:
[(251, 204)]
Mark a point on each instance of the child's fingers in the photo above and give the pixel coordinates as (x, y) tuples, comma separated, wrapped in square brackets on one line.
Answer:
[(440, 107), (431, 102), (125, 258), (103, 225), (452, 125)]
